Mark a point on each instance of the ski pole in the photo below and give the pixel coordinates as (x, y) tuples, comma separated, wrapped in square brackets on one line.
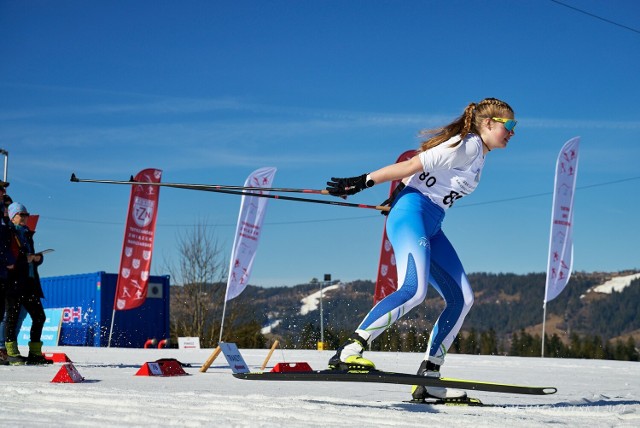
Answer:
[(233, 192), (209, 186)]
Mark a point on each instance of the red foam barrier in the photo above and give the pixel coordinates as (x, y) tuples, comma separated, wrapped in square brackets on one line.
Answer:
[(67, 374), (291, 367)]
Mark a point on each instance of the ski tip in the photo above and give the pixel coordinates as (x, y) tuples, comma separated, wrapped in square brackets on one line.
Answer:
[(73, 177), (549, 390)]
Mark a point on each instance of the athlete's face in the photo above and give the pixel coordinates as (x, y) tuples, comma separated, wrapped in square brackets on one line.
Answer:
[(495, 134)]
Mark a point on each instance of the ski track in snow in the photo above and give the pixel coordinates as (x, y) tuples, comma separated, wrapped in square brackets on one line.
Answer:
[(309, 304), (590, 393), (617, 284), (312, 301)]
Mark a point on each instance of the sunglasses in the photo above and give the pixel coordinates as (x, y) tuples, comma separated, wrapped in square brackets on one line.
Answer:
[(24, 214), (509, 124)]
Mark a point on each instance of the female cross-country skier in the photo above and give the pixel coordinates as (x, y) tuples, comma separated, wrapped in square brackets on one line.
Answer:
[(447, 167)]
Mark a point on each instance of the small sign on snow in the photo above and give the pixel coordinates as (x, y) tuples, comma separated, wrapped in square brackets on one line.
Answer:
[(235, 360)]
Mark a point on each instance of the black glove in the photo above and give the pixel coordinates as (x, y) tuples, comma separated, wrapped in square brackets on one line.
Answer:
[(392, 197), (348, 186)]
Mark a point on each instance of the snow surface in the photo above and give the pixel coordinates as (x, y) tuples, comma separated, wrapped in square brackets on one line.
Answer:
[(590, 393), (617, 284)]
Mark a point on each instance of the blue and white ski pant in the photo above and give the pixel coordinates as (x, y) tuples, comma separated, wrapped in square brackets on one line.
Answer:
[(422, 252)]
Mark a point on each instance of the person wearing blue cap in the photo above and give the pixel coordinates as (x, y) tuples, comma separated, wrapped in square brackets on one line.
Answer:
[(24, 290)]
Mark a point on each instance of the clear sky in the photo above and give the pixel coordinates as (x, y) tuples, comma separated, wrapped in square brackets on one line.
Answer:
[(209, 91)]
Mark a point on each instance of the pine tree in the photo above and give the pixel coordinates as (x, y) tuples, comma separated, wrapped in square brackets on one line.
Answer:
[(469, 344), (632, 351), (309, 336), (488, 343), (575, 346), (411, 341), (514, 350)]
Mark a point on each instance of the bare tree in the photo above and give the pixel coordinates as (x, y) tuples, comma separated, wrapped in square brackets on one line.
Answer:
[(200, 270)]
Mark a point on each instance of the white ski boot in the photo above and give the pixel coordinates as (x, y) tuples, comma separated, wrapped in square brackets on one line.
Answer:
[(421, 393)]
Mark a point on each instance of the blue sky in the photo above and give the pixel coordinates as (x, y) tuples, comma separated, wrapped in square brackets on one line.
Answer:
[(209, 91)]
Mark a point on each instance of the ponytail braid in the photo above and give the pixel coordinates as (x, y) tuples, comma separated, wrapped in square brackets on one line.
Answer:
[(468, 117)]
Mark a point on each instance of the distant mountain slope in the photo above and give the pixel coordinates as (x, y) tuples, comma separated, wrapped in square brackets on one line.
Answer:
[(505, 303)]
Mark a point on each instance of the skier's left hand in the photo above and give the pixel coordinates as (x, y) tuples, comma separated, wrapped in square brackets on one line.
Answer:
[(346, 186), (392, 197)]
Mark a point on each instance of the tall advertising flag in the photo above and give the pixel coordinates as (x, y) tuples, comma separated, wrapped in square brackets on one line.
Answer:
[(560, 260), (387, 281), (248, 231), (135, 262)]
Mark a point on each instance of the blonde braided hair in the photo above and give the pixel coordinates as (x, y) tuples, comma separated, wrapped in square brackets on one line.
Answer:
[(468, 122)]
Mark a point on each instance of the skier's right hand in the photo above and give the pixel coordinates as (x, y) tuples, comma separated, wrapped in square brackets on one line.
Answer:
[(346, 186)]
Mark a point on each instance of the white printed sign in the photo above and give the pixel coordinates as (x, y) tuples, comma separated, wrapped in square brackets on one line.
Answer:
[(235, 360), (188, 343)]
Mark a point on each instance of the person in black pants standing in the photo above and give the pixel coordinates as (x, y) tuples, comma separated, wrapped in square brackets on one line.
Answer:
[(24, 289), (6, 261)]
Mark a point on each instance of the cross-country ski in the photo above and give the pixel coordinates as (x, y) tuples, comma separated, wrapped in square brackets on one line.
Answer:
[(378, 376)]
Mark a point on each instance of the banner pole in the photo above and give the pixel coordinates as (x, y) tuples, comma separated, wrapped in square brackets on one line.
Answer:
[(113, 317), (224, 309), (544, 321), (247, 236), (560, 258)]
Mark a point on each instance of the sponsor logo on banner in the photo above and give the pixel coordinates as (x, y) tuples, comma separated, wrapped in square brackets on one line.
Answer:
[(142, 212), (135, 262)]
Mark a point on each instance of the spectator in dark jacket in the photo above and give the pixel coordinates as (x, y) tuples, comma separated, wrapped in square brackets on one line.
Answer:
[(24, 289), (6, 261)]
